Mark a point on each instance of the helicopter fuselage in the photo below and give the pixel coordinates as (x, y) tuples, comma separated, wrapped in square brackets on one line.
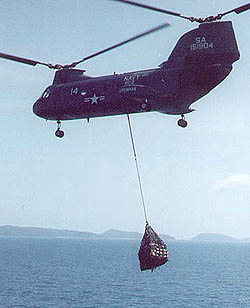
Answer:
[(169, 91), (201, 59)]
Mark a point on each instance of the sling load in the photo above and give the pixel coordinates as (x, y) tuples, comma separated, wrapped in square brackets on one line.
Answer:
[(153, 251)]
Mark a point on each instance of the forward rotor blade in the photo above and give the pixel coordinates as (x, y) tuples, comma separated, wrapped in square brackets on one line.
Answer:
[(152, 8), (238, 10), (60, 66), (21, 60), (162, 26), (18, 59)]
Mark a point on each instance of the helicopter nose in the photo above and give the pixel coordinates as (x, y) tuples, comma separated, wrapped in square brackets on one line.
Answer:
[(37, 108)]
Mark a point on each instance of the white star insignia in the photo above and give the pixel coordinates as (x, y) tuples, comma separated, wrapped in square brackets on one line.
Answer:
[(94, 99)]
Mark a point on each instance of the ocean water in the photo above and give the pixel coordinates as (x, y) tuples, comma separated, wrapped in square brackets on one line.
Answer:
[(75, 273)]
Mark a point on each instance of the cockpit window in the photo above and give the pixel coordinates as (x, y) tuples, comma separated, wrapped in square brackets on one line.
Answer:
[(46, 93)]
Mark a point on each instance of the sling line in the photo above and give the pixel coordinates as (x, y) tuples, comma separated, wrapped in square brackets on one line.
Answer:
[(153, 251), (137, 169)]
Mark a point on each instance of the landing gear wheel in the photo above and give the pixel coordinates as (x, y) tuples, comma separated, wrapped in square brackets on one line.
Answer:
[(182, 122), (59, 133)]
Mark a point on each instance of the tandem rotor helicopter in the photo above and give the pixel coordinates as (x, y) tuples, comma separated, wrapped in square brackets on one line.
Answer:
[(201, 59)]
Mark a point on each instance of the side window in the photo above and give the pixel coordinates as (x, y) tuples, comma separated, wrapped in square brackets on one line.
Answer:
[(83, 92)]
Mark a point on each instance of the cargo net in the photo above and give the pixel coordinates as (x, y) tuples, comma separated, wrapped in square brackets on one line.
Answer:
[(153, 251)]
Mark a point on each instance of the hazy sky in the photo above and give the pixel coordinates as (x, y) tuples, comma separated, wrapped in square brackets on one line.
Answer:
[(195, 179)]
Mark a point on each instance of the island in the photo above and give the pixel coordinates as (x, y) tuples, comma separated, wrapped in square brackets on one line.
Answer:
[(214, 237), (16, 231)]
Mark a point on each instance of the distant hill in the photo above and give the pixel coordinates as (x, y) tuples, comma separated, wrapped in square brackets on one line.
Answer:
[(116, 234), (214, 237), (246, 239), (46, 232), (15, 231), (165, 237), (42, 232)]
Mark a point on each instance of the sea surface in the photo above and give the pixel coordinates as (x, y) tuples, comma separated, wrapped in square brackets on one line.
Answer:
[(76, 273)]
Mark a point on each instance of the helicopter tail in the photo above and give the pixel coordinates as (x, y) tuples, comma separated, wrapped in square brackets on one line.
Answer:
[(211, 43), (201, 59)]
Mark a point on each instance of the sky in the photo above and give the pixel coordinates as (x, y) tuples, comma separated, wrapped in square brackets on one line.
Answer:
[(195, 180)]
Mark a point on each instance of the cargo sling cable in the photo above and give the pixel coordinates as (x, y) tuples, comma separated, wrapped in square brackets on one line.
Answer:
[(153, 251), (137, 169)]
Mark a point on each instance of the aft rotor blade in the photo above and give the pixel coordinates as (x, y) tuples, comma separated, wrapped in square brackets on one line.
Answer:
[(21, 60), (152, 8), (162, 26), (238, 10)]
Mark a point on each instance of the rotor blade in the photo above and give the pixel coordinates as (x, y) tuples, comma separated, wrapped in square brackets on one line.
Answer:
[(152, 8), (18, 59), (29, 61), (119, 44), (238, 10), (21, 60)]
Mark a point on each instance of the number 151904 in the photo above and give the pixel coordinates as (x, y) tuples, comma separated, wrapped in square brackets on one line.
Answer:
[(201, 43)]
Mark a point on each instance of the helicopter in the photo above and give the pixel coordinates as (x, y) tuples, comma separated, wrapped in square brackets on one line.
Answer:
[(201, 59)]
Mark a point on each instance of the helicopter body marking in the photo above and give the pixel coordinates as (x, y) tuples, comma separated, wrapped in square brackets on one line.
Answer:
[(201, 43)]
